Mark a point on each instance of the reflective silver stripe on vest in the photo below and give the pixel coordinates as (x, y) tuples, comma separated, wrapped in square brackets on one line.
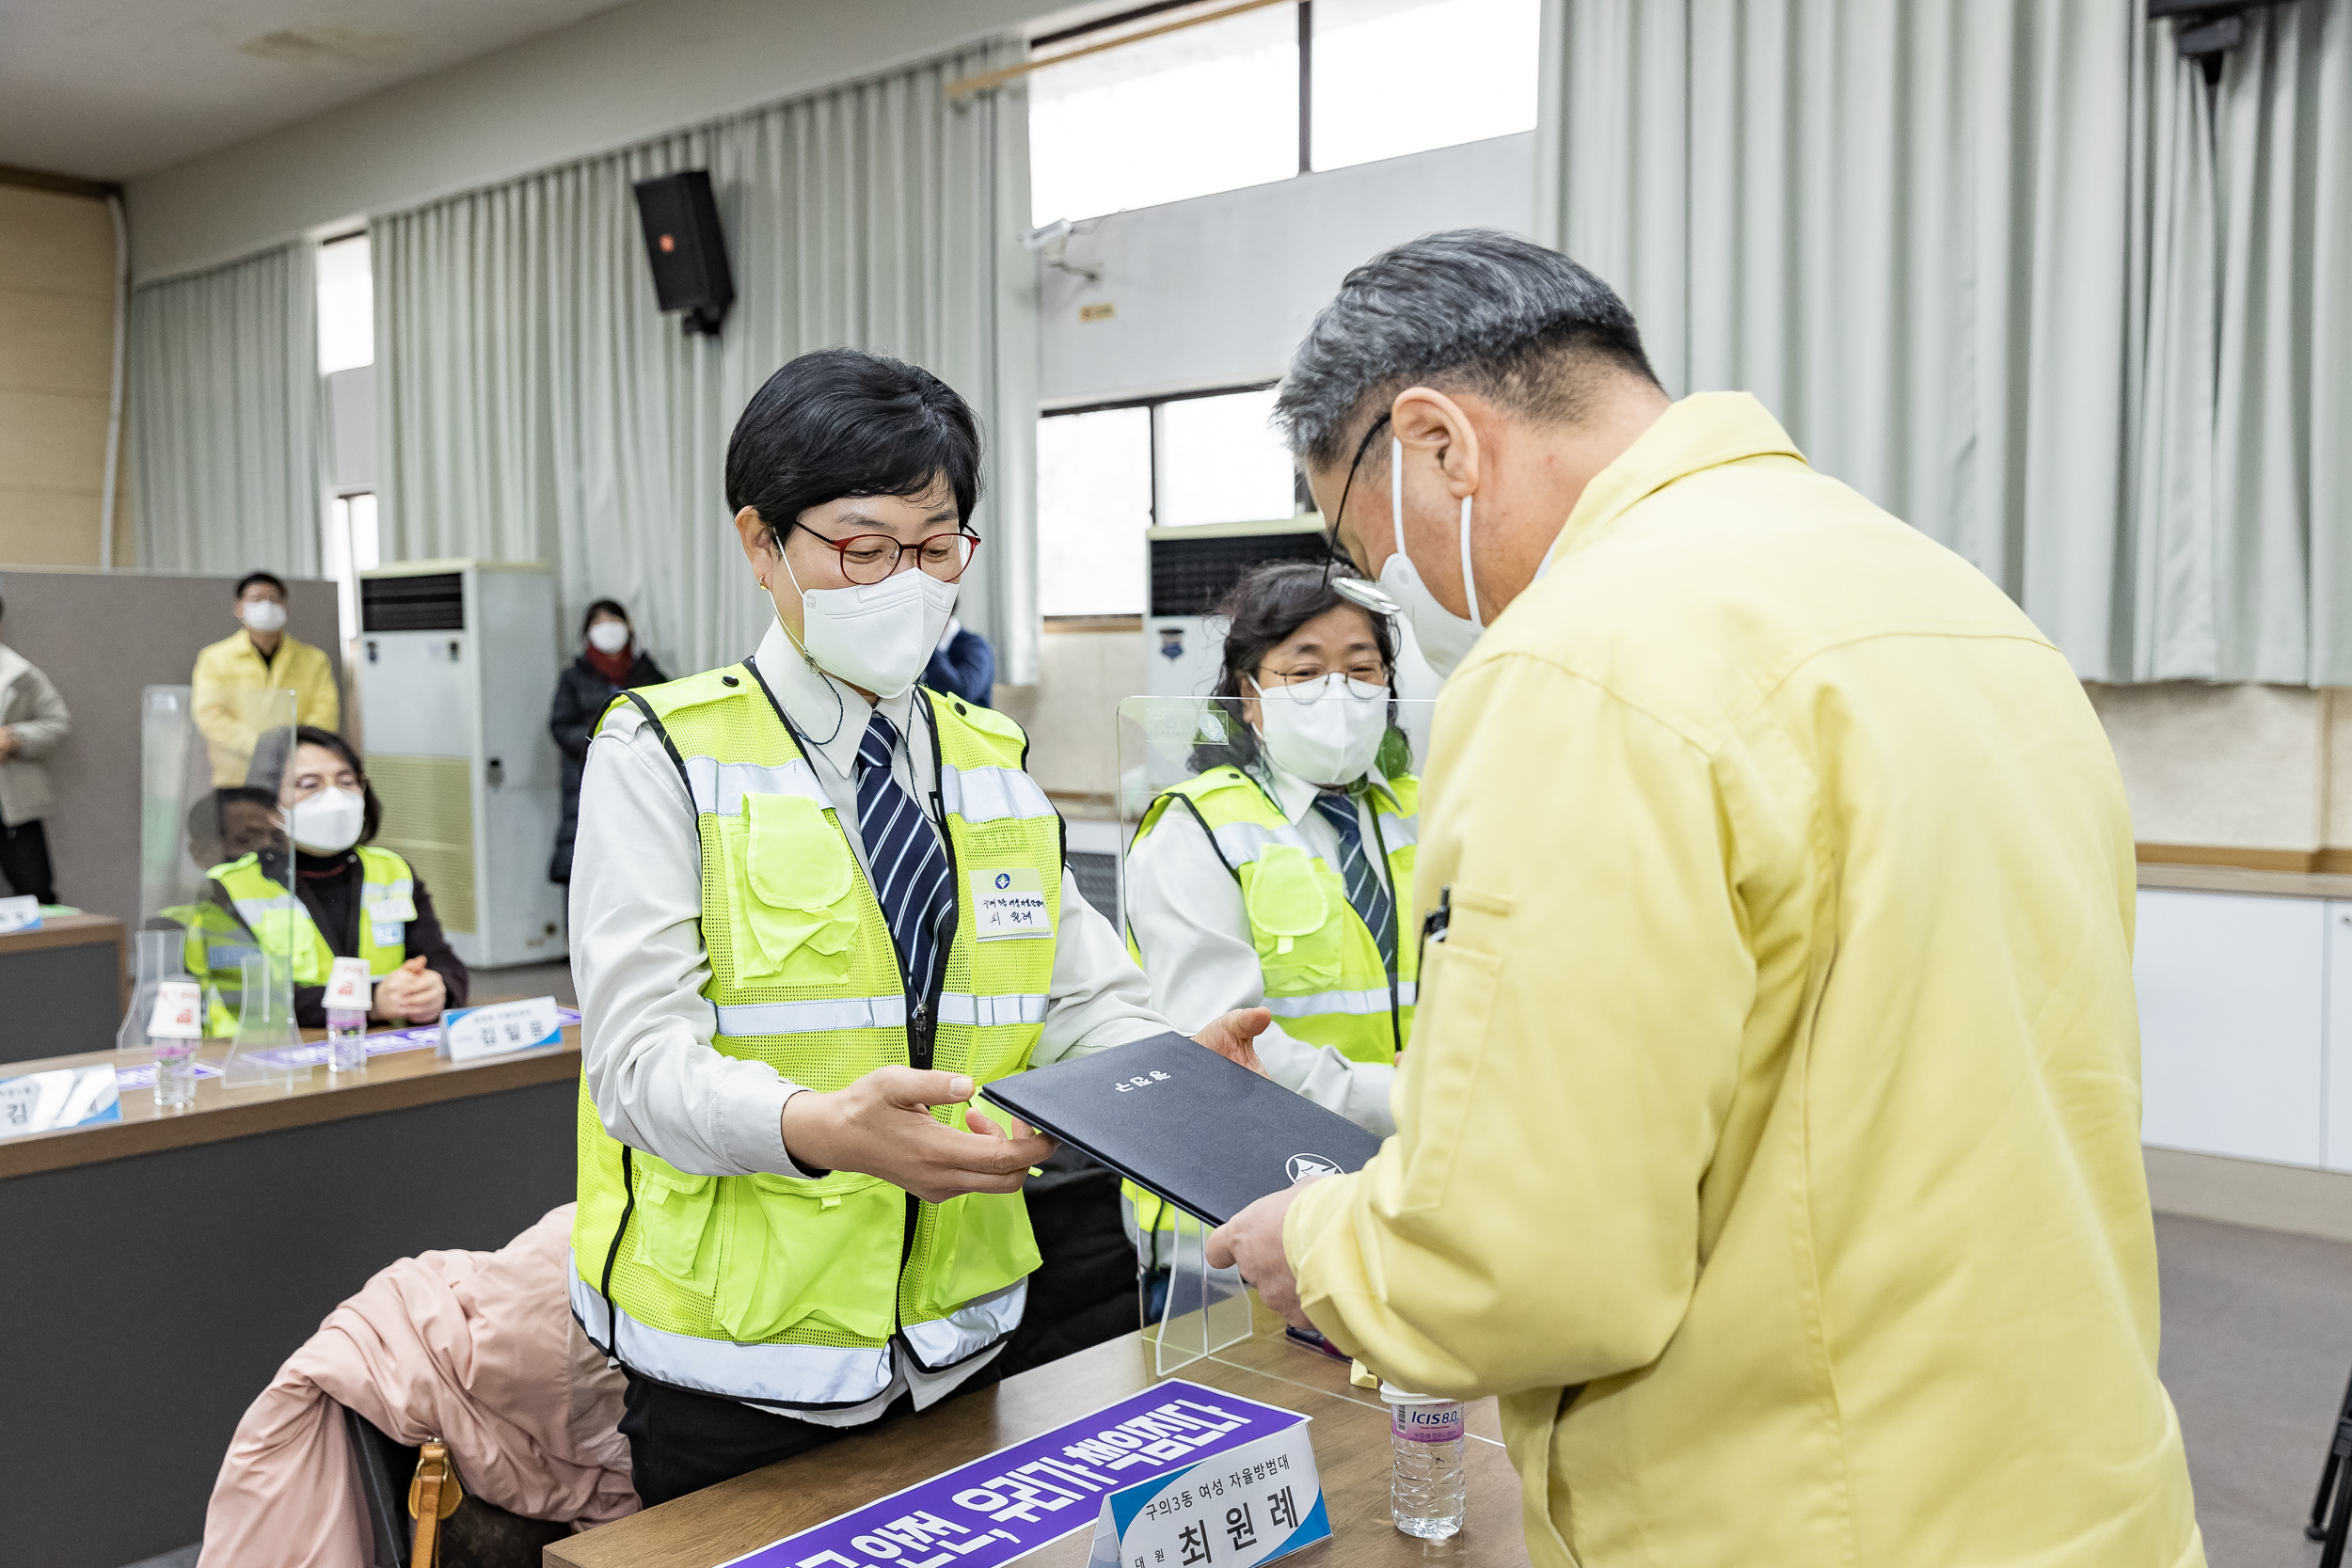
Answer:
[(252, 910), (986, 1012), (720, 787), (783, 1374), (969, 1329), (992, 794), (741, 1019), (1358, 1003), (391, 891), (228, 955), (1242, 842)]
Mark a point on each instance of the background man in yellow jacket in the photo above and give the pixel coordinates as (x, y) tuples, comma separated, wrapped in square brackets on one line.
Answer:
[(1769, 1137), (261, 656)]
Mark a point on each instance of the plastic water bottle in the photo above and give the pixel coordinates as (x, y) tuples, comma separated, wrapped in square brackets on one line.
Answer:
[(1425, 1478), (346, 1041), (175, 1074)]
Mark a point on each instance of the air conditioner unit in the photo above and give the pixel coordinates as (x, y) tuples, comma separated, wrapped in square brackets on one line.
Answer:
[(457, 666), (1189, 570)]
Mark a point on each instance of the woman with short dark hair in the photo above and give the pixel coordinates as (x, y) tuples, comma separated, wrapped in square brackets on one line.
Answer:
[(815, 909), (610, 663)]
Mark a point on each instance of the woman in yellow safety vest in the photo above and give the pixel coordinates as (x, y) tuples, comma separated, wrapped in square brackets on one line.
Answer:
[(343, 896), (1280, 874), (815, 910)]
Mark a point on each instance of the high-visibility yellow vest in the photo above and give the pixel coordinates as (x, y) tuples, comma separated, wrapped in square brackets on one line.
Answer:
[(1324, 980), (777, 1290), (273, 920)]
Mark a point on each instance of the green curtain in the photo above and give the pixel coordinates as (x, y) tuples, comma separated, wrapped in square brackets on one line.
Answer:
[(535, 404), (224, 414), (2007, 267)]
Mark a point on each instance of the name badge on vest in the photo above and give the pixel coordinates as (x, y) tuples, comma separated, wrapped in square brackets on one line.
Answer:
[(1008, 903)]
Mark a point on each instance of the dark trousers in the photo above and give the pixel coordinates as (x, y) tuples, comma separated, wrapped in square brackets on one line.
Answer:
[(24, 862), (1083, 1294), (680, 1441)]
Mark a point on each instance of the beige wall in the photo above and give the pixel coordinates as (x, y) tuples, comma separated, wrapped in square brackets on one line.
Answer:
[(1070, 714), (56, 358)]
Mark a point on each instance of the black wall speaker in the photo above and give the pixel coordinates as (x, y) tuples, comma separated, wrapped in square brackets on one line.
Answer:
[(688, 251)]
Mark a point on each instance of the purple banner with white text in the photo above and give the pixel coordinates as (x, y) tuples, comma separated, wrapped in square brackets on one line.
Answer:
[(993, 1510)]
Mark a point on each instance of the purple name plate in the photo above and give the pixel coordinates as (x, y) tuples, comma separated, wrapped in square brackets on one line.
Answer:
[(993, 1510)]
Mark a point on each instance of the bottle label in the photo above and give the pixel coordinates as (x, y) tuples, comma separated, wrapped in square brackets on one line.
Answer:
[(1427, 1423)]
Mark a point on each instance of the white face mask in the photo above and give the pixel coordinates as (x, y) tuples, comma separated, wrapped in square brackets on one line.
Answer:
[(262, 614), (876, 636), (1325, 731), (609, 636), (328, 823), (1445, 638)]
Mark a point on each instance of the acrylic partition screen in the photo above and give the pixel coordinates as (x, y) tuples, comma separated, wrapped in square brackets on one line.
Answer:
[(1255, 777), (215, 887)]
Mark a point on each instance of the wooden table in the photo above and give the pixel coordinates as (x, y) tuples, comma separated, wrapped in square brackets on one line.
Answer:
[(63, 985), (160, 1268), (1350, 1434)]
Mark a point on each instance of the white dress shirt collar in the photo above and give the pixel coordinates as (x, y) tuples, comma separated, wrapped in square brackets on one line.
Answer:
[(1294, 795), (830, 716)]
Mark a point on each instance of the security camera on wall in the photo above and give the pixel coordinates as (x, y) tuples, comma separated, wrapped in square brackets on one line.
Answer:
[(1051, 241)]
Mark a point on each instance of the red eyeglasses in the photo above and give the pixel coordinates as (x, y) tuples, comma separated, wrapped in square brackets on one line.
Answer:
[(869, 557)]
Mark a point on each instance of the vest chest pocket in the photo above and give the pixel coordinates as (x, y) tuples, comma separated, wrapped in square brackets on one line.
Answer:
[(1291, 920), (822, 1254), (792, 891)]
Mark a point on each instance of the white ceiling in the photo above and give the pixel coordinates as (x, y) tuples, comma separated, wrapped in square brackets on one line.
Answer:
[(109, 89)]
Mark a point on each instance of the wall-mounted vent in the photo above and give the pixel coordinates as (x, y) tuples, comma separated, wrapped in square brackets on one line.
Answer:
[(431, 603)]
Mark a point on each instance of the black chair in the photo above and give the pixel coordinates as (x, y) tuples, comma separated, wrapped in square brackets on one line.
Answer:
[(2335, 1477), (479, 1535)]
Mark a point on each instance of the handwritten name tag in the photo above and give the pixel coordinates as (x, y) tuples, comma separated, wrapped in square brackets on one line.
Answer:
[(1008, 903)]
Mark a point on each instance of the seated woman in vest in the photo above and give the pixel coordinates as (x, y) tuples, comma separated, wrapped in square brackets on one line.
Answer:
[(351, 899), (792, 1220)]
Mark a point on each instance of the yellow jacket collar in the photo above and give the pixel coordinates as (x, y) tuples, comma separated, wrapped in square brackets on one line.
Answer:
[(1703, 431)]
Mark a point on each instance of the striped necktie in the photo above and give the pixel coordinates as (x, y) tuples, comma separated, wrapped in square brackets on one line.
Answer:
[(1366, 892), (904, 862)]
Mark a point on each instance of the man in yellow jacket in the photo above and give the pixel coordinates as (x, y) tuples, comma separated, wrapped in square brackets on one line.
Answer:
[(233, 674), (1770, 1138)]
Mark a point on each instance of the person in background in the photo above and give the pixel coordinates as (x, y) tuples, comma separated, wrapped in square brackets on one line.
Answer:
[(609, 662), (262, 657), (33, 723), (1769, 1139), (964, 665), (351, 898)]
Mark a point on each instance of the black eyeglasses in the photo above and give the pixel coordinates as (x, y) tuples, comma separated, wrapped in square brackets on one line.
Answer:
[(1356, 590)]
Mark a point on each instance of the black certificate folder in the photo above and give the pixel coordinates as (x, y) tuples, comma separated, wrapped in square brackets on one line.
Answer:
[(1175, 1118)]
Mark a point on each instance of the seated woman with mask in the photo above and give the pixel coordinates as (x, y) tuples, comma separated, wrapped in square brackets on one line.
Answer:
[(350, 899), (1280, 875)]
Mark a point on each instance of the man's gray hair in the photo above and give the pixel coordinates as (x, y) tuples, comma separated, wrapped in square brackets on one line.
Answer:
[(1475, 308)]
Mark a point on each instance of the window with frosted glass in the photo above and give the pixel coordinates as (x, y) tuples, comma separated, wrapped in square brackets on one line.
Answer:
[(1093, 505), (1399, 76), (346, 290), (1208, 108), (1221, 462)]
